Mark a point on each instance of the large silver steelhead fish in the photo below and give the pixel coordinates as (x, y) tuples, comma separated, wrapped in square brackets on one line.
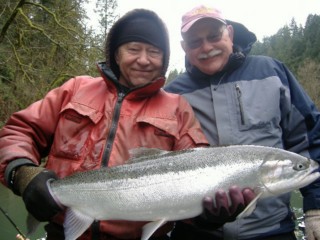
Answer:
[(170, 186)]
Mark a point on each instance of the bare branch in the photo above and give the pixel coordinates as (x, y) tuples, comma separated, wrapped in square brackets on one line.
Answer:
[(53, 15), (36, 27), (10, 20), (21, 65), (19, 9)]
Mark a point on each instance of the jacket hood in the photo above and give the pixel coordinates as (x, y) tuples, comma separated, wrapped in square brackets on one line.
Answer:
[(243, 39), (113, 37)]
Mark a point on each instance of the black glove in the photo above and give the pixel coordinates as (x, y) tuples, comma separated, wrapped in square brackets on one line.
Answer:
[(32, 183), (215, 215)]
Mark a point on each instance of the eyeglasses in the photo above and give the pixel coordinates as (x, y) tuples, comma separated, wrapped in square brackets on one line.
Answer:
[(211, 38)]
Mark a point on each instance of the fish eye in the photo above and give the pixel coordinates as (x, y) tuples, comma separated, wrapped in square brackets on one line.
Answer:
[(299, 167)]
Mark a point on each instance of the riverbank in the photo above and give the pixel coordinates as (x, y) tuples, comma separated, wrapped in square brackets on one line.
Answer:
[(15, 210)]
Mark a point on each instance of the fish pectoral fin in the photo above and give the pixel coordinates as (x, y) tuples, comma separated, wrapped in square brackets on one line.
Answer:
[(75, 224), (150, 228), (32, 224), (250, 208)]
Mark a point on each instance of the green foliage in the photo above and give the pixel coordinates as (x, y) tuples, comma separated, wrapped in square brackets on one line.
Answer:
[(309, 76), (172, 75), (299, 49), (312, 37), (106, 10), (43, 43)]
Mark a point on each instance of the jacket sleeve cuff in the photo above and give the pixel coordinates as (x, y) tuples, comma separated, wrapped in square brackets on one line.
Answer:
[(12, 166), (203, 223), (311, 203)]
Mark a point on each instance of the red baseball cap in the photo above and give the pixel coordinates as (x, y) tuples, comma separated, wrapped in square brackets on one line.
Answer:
[(199, 12)]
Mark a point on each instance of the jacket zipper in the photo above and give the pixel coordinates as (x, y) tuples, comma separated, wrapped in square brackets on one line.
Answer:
[(107, 151), (220, 80), (113, 129), (239, 96)]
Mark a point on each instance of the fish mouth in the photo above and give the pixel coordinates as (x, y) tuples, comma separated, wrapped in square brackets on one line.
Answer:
[(315, 165)]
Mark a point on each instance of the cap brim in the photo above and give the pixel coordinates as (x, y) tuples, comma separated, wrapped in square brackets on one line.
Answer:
[(187, 26)]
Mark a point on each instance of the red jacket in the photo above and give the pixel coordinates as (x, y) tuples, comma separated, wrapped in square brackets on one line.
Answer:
[(85, 124)]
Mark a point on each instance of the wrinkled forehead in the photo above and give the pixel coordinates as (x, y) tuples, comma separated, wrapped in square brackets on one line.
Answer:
[(204, 25)]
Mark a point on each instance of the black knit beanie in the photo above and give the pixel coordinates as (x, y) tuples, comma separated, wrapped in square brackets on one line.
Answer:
[(140, 30), (139, 25)]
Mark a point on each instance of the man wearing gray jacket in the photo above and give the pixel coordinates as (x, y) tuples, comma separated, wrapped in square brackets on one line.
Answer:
[(242, 99)]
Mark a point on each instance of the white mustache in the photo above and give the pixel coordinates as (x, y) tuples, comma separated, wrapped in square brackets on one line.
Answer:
[(210, 54)]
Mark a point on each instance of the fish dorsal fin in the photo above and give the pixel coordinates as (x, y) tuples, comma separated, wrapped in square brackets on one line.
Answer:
[(250, 208), (150, 228), (143, 154), (75, 224)]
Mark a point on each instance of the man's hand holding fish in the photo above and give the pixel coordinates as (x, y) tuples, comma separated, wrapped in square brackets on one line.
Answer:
[(219, 210)]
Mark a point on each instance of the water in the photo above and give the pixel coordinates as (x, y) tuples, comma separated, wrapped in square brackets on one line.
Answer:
[(14, 207)]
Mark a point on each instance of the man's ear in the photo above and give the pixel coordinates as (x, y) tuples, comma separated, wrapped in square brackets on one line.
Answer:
[(230, 31)]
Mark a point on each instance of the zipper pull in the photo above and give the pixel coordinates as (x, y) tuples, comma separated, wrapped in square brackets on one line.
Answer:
[(121, 96), (239, 96)]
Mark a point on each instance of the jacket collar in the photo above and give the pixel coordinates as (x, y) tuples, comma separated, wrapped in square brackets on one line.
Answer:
[(132, 94)]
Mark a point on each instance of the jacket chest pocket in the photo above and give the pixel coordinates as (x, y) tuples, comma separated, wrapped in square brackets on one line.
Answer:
[(256, 109), (159, 132), (73, 134)]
